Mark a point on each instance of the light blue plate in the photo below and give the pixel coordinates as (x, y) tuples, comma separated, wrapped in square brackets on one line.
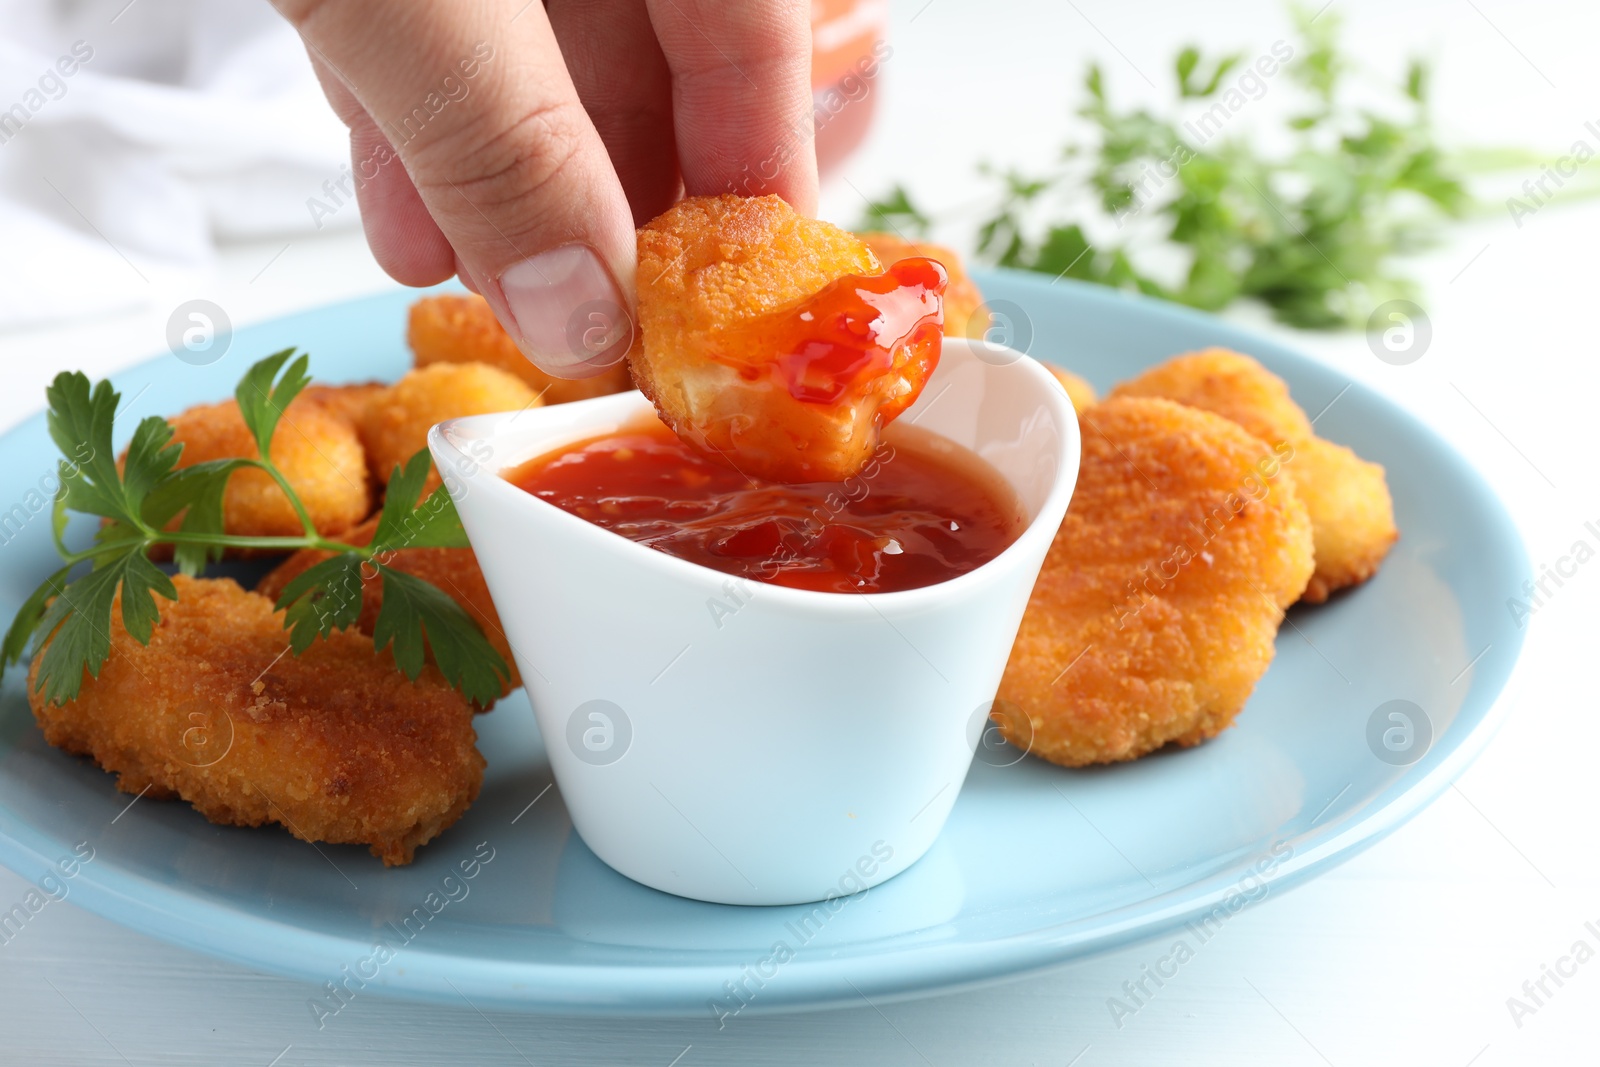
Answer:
[(1037, 865)]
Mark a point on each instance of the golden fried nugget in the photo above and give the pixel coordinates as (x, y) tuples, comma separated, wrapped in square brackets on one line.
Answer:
[(1080, 392), (462, 329), (336, 744), (1352, 514), (1158, 605), (962, 299), (395, 424), (454, 570), (1227, 384), (317, 450), (731, 366), (348, 402)]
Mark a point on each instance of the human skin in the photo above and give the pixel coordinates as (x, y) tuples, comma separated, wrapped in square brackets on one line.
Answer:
[(579, 120)]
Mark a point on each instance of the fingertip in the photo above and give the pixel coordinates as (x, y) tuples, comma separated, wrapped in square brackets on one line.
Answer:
[(404, 239)]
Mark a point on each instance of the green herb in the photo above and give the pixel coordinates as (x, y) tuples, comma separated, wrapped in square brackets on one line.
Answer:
[(1310, 231), (141, 500)]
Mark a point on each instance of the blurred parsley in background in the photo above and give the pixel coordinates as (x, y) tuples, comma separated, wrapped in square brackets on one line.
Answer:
[(1310, 230)]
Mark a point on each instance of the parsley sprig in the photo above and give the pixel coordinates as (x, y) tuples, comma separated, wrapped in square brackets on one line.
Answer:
[(138, 502), (1310, 229)]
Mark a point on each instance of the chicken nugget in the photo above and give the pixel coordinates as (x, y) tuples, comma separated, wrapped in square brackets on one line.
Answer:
[(1080, 392), (1228, 384), (1352, 514), (335, 745), (963, 302), (1157, 608), (453, 570), (777, 342), (348, 402), (317, 450), (395, 424), (461, 328)]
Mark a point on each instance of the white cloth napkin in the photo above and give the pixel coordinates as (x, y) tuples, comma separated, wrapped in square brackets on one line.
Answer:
[(181, 123)]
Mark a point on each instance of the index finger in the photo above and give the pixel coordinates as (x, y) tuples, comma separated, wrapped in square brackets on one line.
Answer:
[(741, 96)]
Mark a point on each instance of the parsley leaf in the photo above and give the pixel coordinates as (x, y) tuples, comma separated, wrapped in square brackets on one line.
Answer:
[(78, 621), (321, 599), (72, 620), (1183, 207), (80, 421), (433, 523), (412, 609), (262, 396)]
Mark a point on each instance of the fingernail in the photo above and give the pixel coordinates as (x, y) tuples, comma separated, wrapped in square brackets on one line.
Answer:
[(571, 318)]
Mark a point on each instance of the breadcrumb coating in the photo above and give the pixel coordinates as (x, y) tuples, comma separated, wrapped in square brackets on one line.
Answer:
[(1159, 602), (462, 329), (335, 745), (395, 423), (317, 449)]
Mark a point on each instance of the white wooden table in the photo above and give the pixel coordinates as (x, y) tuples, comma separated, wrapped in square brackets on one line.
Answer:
[(1406, 954)]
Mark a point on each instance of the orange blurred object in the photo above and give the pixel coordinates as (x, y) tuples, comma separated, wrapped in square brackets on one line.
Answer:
[(847, 52)]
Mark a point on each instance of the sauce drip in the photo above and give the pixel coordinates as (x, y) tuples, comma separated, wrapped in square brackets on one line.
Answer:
[(910, 518), (838, 341), (817, 380)]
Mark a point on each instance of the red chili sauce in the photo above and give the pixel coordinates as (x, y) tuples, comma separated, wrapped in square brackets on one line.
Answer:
[(921, 511), (822, 376)]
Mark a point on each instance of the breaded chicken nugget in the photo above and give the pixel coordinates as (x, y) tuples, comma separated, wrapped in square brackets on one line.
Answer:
[(1352, 514), (776, 341), (336, 745), (463, 329), (317, 450), (962, 299), (453, 570), (1229, 384), (1158, 605), (395, 424), (348, 402), (1080, 392)]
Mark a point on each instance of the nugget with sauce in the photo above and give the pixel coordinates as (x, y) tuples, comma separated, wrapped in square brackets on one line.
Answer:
[(317, 449), (335, 745), (1352, 513), (461, 328), (453, 570), (963, 302), (1157, 608), (394, 425), (776, 342)]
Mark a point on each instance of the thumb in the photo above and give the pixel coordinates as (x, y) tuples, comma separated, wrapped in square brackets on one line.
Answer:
[(496, 146)]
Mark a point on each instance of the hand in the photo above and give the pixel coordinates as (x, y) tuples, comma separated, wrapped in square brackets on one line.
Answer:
[(517, 144)]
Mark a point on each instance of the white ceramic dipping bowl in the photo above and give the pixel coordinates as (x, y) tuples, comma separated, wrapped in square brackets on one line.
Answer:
[(746, 743)]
